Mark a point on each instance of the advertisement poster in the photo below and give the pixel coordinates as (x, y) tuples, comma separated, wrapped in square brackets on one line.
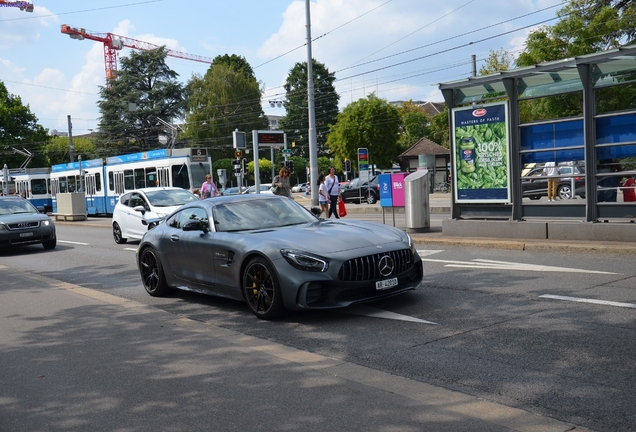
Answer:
[(482, 158)]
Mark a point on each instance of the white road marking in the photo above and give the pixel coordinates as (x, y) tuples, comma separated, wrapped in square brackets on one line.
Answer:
[(72, 242), (505, 265), (585, 300), (372, 312), (427, 252)]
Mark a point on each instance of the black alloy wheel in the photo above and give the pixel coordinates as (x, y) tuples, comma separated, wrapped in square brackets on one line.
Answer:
[(370, 198), (117, 234), (261, 290), (152, 275)]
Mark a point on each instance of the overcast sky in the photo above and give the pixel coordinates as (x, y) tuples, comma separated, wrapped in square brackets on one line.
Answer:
[(399, 49)]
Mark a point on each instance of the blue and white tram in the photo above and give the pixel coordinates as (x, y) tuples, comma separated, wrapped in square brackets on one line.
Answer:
[(106, 180), (32, 183)]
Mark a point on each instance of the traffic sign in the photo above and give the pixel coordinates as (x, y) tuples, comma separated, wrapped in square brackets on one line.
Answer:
[(287, 151)]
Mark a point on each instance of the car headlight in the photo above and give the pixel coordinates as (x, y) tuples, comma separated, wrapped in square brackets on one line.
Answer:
[(410, 241), (46, 222), (305, 261)]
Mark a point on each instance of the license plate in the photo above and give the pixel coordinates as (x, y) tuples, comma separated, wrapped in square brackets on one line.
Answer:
[(26, 234), (384, 284)]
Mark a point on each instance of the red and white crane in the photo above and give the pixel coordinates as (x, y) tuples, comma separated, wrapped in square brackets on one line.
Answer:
[(113, 43), (23, 5)]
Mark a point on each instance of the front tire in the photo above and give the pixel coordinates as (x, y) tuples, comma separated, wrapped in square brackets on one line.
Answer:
[(370, 198), (50, 244), (117, 235), (152, 275), (261, 290)]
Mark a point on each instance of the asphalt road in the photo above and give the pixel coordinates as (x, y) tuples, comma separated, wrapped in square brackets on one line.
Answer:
[(546, 332)]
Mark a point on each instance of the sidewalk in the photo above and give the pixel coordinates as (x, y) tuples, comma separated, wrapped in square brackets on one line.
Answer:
[(78, 359), (440, 205)]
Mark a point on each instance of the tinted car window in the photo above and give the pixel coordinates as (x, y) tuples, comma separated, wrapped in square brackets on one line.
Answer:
[(194, 214), (137, 200)]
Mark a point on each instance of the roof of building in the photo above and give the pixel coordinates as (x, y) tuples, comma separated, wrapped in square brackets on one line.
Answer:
[(424, 146)]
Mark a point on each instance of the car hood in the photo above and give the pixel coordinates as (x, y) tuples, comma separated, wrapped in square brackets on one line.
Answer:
[(164, 211), (23, 217), (327, 237)]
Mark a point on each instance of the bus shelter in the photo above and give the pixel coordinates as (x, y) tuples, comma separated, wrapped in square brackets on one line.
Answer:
[(572, 119)]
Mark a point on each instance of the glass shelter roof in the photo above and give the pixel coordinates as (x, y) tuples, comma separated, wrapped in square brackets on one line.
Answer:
[(612, 67)]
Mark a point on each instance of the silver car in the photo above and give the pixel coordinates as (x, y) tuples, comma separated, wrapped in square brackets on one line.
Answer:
[(22, 224), (276, 255)]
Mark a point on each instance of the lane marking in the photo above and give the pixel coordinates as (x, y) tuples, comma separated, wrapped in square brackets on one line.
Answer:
[(586, 300), (505, 265), (372, 312), (427, 252), (72, 242)]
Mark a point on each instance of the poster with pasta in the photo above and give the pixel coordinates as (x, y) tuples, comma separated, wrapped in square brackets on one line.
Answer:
[(481, 169)]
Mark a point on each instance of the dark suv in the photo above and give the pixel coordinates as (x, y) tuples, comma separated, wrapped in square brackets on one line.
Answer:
[(366, 192), (535, 184)]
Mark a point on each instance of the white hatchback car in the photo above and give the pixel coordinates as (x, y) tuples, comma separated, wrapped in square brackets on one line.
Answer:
[(147, 203), (265, 189)]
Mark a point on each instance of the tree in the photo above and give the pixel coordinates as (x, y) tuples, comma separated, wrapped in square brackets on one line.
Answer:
[(226, 98), (19, 129), (133, 105), (58, 149), (497, 61), (296, 121), (414, 124), (439, 129), (370, 123)]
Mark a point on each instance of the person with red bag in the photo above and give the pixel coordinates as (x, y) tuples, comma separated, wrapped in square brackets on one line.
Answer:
[(333, 187)]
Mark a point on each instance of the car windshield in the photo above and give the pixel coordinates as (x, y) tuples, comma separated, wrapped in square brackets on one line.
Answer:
[(16, 206), (169, 197), (260, 214)]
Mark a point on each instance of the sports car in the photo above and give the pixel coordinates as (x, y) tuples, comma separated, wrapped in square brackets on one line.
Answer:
[(276, 255)]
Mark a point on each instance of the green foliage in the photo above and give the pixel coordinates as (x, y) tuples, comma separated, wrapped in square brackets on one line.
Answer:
[(19, 129), (497, 61), (414, 124), (296, 121), (226, 98), (147, 82), (58, 151), (370, 123), (439, 129)]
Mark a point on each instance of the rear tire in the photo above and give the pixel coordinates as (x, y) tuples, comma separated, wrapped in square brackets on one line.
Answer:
[(564, 192), (370, 198), (152, 275), (117, 235), (261, 290)]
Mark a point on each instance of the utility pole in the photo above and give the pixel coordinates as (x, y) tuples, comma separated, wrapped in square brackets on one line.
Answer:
[(313, 146), (71, 149)]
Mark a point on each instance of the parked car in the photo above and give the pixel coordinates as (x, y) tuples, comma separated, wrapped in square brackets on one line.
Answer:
[(249, 247), (233, 190), (535, 185), (23, 224), (359, 193), (264, 188), (144, 204), (300, 187)]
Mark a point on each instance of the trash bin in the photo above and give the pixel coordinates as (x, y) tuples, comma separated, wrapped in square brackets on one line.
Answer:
[(416, 204)]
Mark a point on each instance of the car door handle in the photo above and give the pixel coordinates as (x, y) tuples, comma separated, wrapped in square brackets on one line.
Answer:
[(174, 237)]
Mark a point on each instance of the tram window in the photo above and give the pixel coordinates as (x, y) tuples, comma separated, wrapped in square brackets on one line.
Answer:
[(72, 186), (140, 178), (151, 177), (111, 182), (199, 171), (129, 180), (63, 185), (180, 176), (38, 187), (98, 182)]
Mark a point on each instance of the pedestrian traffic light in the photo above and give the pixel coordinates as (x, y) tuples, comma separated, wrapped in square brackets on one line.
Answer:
[(347, 165), (290, 165), (244, 166)]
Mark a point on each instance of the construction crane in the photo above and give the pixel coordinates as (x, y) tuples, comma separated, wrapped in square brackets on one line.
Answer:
[(113, 43), (23, 5)]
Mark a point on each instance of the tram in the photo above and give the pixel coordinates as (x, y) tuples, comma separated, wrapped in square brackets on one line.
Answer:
[(104, 180), (32, 183)]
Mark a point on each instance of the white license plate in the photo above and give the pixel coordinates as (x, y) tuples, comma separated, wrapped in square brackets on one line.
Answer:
[(384, 284), (26, 234)]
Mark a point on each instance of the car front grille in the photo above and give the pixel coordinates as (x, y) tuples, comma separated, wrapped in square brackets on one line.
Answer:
[(23, 225), (368, 267)]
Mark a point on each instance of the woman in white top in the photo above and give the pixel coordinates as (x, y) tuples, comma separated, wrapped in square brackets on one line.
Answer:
[(333, 189)]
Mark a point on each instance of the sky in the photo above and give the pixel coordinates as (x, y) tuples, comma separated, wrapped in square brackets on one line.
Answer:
[(397, 49)]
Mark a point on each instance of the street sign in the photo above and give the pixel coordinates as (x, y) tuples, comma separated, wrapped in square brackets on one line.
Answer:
[(287, 151), (363, 159)]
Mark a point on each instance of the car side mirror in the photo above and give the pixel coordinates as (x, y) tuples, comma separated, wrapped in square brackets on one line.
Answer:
[(195, 225), (140, 209)]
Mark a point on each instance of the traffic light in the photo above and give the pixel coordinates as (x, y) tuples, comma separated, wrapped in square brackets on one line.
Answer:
[(290, 165), (347, 165), (244, 166), (237, 166), (238, 153)]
